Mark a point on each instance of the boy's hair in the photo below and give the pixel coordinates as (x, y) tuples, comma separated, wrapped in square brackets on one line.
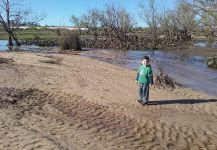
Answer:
[(145, 57)]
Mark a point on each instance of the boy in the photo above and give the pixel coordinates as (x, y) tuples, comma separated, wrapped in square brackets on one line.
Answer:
[(144, 78)]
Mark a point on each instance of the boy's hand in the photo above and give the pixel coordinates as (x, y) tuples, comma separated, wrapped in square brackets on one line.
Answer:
[(151, 86)]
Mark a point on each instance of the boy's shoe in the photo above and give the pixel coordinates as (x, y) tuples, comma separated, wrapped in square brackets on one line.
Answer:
[(139, 100), (143, 103)]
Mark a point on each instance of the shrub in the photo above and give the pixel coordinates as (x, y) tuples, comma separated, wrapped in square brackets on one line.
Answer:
[(70, 41), (212, 62)]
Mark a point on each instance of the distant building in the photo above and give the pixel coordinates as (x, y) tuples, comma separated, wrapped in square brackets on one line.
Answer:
[(66, 27), (24, 27), (54, 27)]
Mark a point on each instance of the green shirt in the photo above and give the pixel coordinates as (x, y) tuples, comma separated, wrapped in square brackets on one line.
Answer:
[(145, 74)]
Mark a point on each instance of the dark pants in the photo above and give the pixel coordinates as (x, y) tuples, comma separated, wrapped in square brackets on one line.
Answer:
[(144, 92)]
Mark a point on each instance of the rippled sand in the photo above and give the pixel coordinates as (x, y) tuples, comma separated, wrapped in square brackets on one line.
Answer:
[(70, 102)]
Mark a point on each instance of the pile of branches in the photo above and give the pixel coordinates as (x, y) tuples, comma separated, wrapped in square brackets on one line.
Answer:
[(163, 79), (133, 42), (41, 42)]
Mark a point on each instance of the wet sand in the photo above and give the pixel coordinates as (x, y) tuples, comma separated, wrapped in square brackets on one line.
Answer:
[(59, 101)]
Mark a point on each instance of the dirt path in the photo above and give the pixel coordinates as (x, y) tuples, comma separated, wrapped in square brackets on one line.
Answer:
[(80, 103)]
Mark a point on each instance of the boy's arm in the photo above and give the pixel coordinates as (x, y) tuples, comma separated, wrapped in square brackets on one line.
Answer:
[(137, 76), (150, 75)]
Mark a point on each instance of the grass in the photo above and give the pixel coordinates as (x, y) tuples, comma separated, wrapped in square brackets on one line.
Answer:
[(31, 34)]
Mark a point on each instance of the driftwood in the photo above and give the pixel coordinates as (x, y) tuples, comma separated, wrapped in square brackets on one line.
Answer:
[(133, 42), (163, 79)]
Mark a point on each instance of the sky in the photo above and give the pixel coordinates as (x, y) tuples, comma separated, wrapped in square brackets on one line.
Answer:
[(58, 12)]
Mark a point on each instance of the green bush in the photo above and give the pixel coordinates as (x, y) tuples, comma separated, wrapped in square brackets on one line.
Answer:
[(70, 41)]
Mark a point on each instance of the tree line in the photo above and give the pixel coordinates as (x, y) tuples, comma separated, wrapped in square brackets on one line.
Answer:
[(114, 24), (165, 27)]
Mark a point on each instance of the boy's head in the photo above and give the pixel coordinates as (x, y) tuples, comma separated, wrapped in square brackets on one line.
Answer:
[(145, 60)]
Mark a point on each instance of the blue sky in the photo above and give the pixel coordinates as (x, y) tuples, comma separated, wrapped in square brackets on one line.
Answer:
[(59, 11)]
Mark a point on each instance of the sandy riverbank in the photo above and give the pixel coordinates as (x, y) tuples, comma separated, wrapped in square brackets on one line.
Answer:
[(59, 101)]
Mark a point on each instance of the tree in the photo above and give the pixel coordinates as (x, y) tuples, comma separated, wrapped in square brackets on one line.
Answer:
[(117, 23), (203, 5), (78, 22), (206, 14), (166, 25), (92, 21), (178, 23), (185, 19), (151, 17), (12, 16)]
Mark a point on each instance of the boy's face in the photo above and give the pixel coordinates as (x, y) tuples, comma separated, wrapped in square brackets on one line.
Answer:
[(145, 62)]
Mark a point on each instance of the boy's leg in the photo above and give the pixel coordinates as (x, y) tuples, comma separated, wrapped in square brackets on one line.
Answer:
[(140, 92), (145, 94)]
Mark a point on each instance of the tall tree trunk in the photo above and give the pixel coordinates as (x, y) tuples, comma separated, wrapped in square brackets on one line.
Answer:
[(95, 34), (80, 31), (155, 38), (16, 40), (10, 42)]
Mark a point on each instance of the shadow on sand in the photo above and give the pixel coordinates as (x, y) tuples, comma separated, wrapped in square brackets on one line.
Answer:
[(182, 101)]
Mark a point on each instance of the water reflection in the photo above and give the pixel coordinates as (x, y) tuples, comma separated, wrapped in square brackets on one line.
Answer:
[(3, 45), (31, 48), (205, 44)]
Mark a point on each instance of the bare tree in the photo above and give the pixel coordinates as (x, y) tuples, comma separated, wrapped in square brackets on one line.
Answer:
[(78, 22), (203, 5), (169, 25), (12, 16), (151, 17), (179, 23), (165, 25), (117, 23), (207, 14), (186, 22), (92, 21)]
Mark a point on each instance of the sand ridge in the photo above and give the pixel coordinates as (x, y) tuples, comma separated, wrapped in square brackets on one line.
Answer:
[(81, 103)]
